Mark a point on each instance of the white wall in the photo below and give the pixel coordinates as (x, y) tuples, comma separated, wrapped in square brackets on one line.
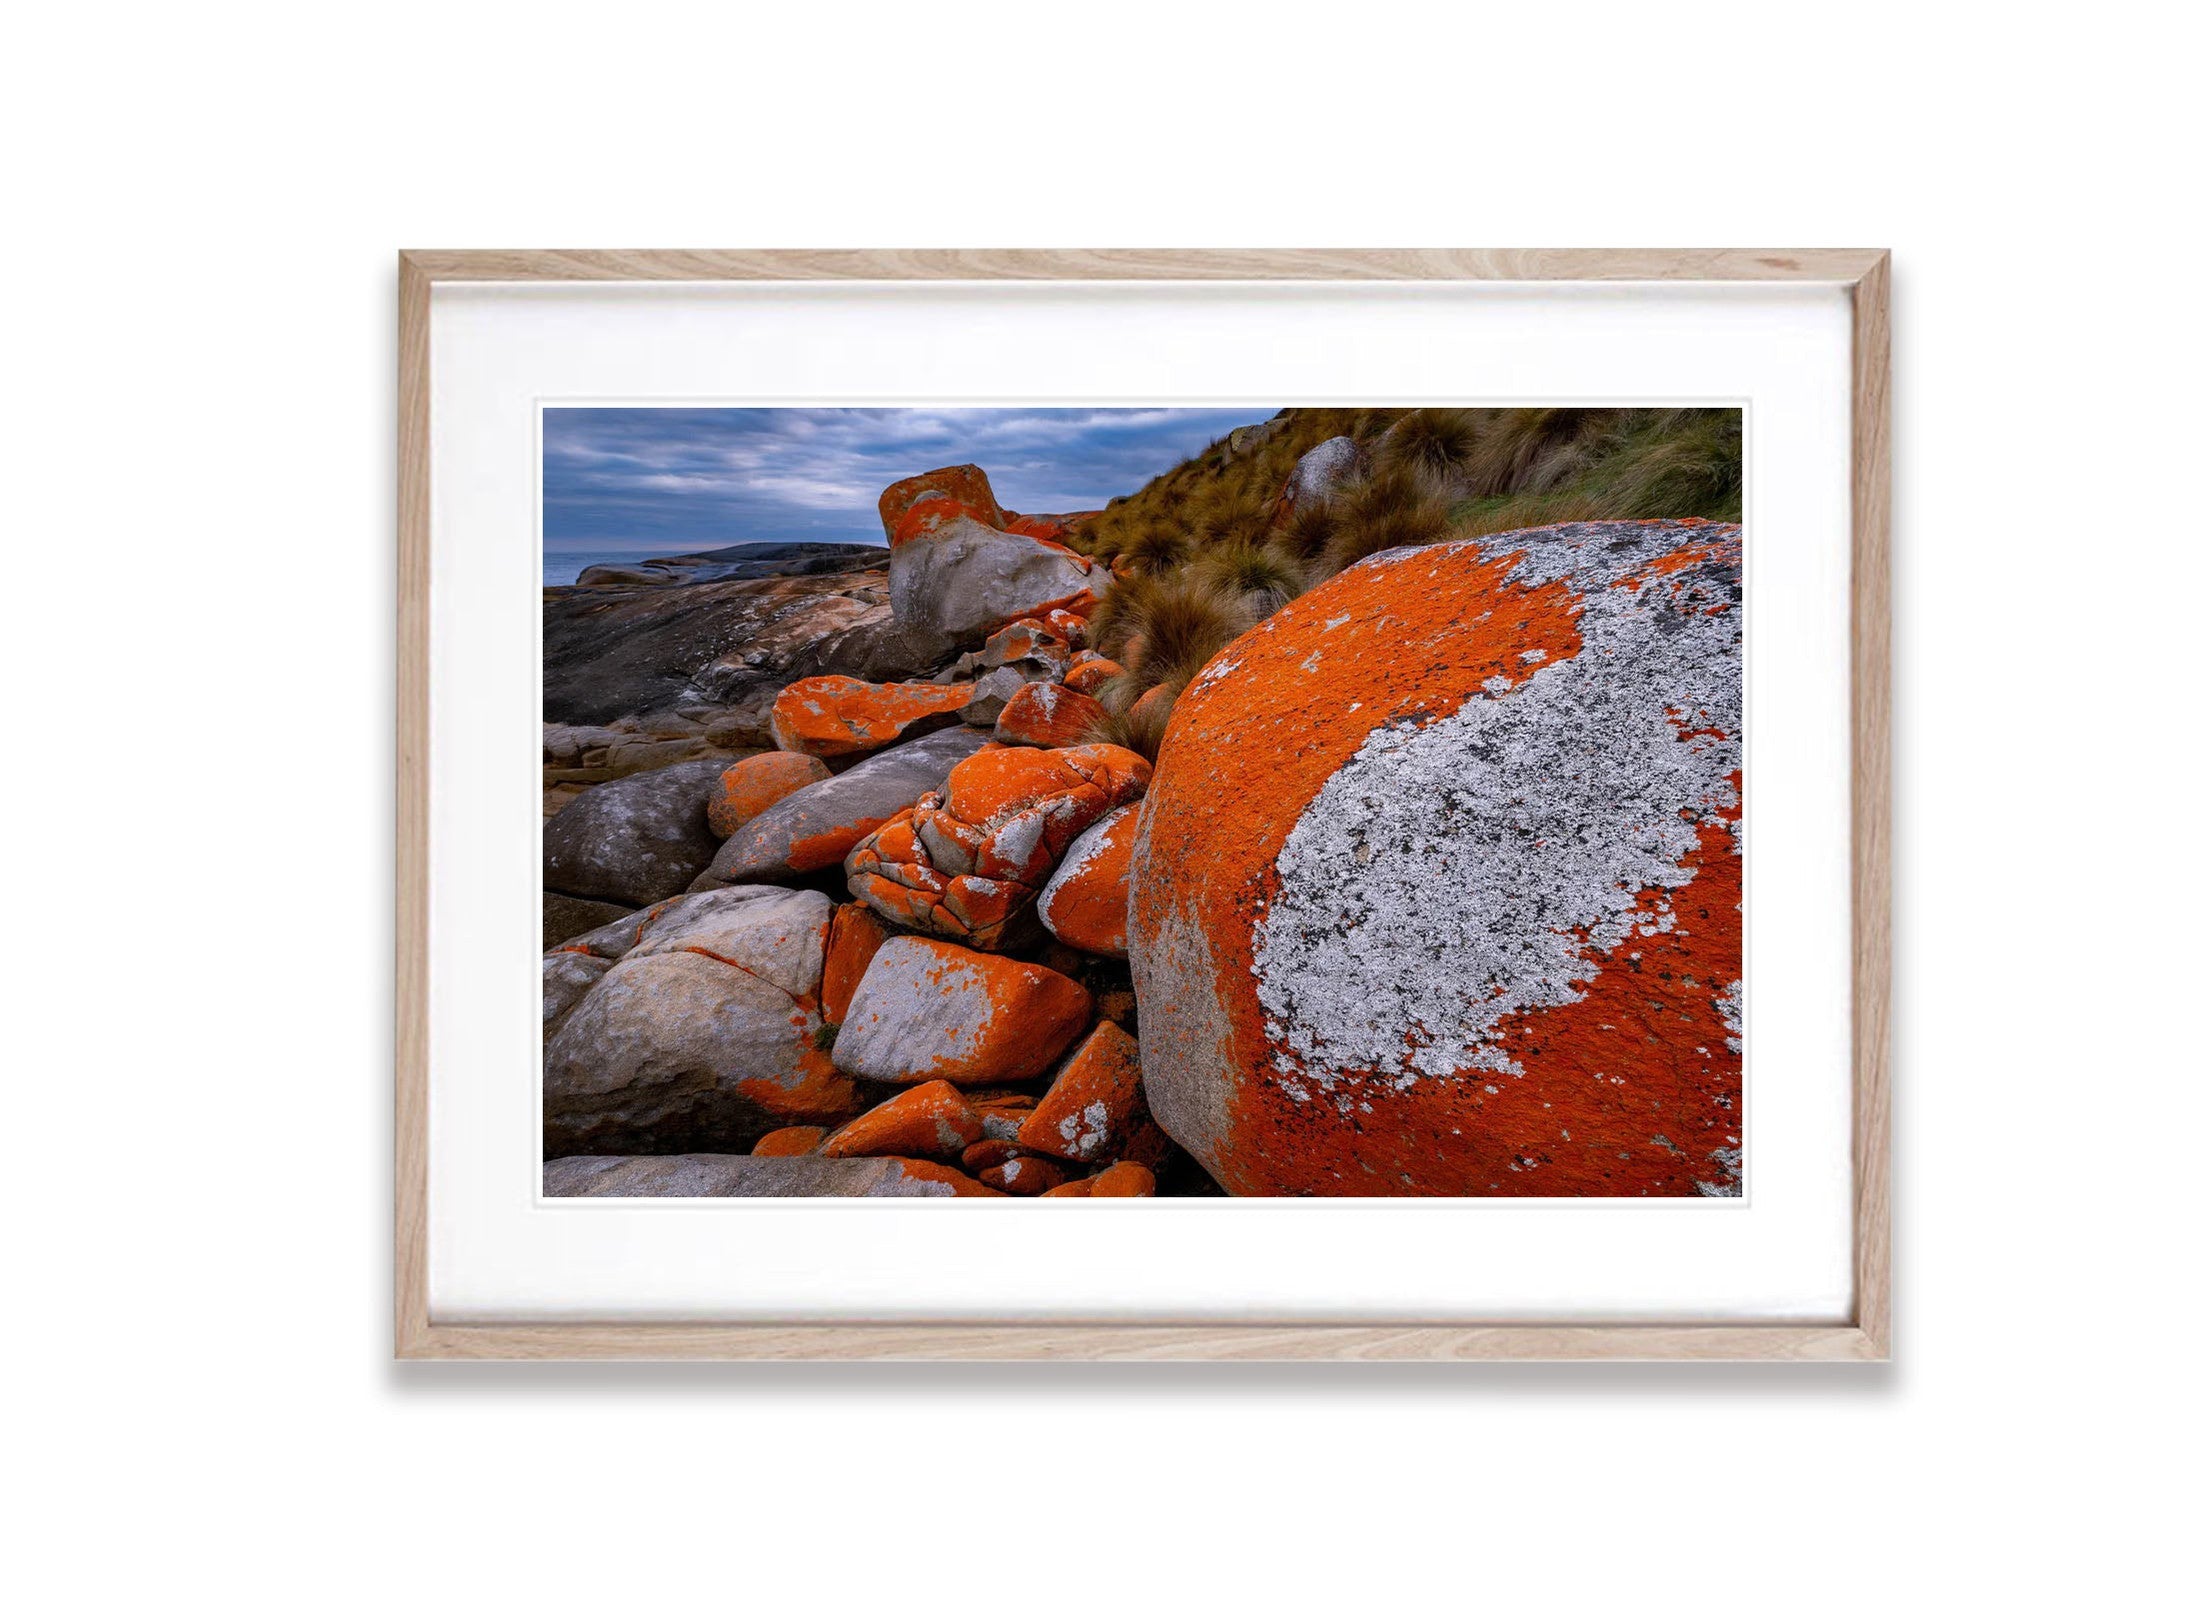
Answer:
[(199, 442)]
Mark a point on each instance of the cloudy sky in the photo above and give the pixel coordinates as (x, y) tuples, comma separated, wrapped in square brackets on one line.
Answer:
[(656, 481)]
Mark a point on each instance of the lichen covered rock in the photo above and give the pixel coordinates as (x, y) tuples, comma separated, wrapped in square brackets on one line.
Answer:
[(753, 1177), (1437, 890), (748, 788), (928, 1011), (967, 861), (1095, 1100), (954, 576), (966, 485), (1049, 716), (847, 716), (1086, 903)]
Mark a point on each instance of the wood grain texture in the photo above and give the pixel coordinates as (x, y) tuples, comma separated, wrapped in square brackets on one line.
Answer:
[(1870, 621), (1866, 1337), (1576, 266)]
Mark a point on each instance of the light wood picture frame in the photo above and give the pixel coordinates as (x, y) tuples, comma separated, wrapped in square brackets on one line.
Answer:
[(1864, 1335)]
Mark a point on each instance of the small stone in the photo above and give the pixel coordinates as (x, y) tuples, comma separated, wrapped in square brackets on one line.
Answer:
[(747, 789), (928, 1010), (1050, 716), (1095, 1101), (1028, 1175), (787, 1141), (1126, 1179), (929, 1121)]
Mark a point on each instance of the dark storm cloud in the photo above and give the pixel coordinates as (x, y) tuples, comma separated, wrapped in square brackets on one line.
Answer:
[(653, 481)]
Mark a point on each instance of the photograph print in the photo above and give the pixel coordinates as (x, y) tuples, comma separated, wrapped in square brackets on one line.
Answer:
[(1137, 802)]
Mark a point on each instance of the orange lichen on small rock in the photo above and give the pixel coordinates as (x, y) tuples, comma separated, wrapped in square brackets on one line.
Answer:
[(748, 788), (790, 1141), (847, 716), (928, 1010), (1086, 903), (1095, 1101), (966, 485), (932, 1121), (856, 934), (1087, 670), (968, 861), (1126, 1179), (961, 1184), (1065, 625), (1081, 1188), (1027, 1175), (1049, 716)]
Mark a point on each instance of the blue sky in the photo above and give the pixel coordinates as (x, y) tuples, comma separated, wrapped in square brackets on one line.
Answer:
[(653, 481)]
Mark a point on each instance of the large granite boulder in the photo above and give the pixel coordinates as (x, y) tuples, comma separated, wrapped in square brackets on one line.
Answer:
[(1437, 888), (635, 839), (692, 1025), (813, 828), (965, 485), (956, 577), (753, 1177)]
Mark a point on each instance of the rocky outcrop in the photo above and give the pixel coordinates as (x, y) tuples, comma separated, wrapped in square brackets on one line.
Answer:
[(813, 829), (967, 860), (700, 1030), (752, 1177), (734, 561), (635, 840), (958, 578), (928, 1011), (1438, 888), (966, 485), (847, 716)]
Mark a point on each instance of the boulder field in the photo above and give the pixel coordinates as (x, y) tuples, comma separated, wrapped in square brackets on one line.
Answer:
[(1433, 888)]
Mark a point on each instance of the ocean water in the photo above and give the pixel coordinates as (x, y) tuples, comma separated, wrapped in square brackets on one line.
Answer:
[(563, 566)]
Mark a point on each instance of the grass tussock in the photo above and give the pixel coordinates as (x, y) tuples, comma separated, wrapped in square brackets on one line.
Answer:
[(1210, 551)]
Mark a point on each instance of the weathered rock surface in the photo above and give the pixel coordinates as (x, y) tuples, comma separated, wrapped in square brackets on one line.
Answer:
[(623, 650), (1086, 903), (858, 934), (1094, 1103), (964, 580), (752, 1177), (990, 694), (1322, 472), (565, 917), (734, 561), (967, 861), (701, 1034), (967, 485), (1049, 716), (928, 1011), (1438, 889), (931, 1121), (1087, 670), (847, 716), (814, 828), (636, 839), (750, 787)]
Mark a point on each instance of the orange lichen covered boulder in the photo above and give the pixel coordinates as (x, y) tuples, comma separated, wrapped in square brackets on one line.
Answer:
[(1126, 1179), (747, 789), (967, 861), (1095, 1101), (966, 485), (1050, 717), (929, 1011), (790, 1141), (1087, 670), (1029, 1175), (1044, 529), (931, 1120), (955, 577), (857, 933), (847, 716), (1438, 889), (1081, 1188), (1086, 903), (1065, 625), (1025, 640)]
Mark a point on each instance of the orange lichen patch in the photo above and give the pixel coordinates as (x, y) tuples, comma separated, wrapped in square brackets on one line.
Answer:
[(967, 862), (1095, 1101), (855, 935), (820, 1093), (1028, 1175), (1065, 625), (930, 1171), (1024, 641), (1147, 1145), (1118, 1005), (1632, 1088), (1126, 1179), (990, 1152), (1086, 903), (790, 1141), (932, 1121), (847, 716), (1088, 670), (748, 788), (1081, 1188), (1050, 716), (928, 1010), (966, 485), (1032, 527)]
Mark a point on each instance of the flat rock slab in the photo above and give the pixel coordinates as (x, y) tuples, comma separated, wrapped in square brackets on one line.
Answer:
[(746, 1177)]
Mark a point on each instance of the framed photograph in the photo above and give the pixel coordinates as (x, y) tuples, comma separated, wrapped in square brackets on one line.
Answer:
[(1232, 763)]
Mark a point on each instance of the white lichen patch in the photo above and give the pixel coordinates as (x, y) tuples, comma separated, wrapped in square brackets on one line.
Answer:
[(1455, 874), (1729, 1012)]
